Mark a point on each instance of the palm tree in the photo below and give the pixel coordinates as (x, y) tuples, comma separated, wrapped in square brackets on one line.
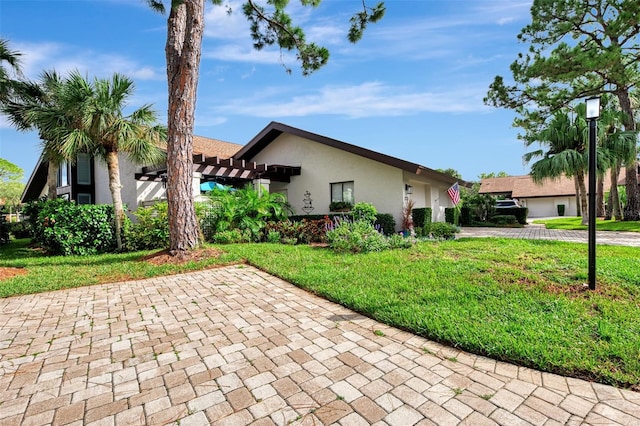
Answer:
[(35, 105), (567, 154), (618, 148), (11, 58), (101, 129)]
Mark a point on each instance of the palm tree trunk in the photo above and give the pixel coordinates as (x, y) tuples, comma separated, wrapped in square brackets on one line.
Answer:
[(115, 186), (52, 180), (578, 205), (632, 209), (616, 210), (583, 197), (600, 197), (183, 49)]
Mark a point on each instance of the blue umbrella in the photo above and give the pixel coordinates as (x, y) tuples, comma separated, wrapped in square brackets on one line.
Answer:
[(210, 186)]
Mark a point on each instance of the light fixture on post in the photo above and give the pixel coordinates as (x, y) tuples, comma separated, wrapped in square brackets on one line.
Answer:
[(408, 189), (593, 112)]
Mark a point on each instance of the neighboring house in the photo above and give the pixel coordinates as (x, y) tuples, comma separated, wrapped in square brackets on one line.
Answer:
[(542, 200), (310, 169)]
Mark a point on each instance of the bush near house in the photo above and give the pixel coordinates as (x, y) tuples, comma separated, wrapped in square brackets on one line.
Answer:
[(519, 212), (422, 217), (151, 229), (66, 228)]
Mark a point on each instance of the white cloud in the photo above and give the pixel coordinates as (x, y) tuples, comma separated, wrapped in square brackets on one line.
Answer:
[(371, 99)]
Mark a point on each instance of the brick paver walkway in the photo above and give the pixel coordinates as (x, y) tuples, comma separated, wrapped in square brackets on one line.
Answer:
[(539, 232), (236, 346)]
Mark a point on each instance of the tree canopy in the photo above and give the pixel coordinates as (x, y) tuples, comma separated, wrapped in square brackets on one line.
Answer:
[(576, 49), (11, 185)]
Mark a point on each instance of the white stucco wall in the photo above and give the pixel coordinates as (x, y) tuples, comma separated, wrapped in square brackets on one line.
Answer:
[(547, 206), (374, 182)]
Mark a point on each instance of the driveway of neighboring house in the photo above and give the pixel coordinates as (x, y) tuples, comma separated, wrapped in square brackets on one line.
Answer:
[(539, 232), (236, 346)]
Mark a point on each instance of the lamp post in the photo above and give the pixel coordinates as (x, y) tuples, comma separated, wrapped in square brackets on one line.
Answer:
[(593, 112)]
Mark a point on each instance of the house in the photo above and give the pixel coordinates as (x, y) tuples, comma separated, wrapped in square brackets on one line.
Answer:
[(309, 169), (543, 199)]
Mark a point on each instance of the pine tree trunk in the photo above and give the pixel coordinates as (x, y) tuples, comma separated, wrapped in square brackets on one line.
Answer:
[(113, 168), (583, 197), (632, 209), (600, 197), (185, 28), (52, 180)]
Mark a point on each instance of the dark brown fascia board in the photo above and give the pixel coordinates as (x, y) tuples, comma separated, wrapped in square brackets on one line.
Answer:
[(36, 181), (275, 129)]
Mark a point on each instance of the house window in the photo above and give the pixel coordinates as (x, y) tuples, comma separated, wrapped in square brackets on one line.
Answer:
[(84, 169), (63, 174), (342, 191), (84, 198)]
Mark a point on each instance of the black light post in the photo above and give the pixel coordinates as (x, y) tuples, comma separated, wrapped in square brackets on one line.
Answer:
[(593, 112)]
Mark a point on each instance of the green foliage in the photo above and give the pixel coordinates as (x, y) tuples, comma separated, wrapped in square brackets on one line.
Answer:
[(466, 217), (422, 217), (520, 213), (336, 206), (65, 228), (504, 219), (451, 215), (481, 208), (11, 185), (19, 229), (450, 172), (443, 231), (150, 229), (4, 229), (243, 209), (233, 236), (356, 237), (386, 223), (364, 212), (299, 232)]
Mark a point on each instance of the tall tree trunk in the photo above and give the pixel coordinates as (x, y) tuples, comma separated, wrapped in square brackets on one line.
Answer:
[(578, 199), (609, 208), (600, 197), (632, 209), (184, 39), (52, 180), (616, 211), (583, 197), (113, 168)]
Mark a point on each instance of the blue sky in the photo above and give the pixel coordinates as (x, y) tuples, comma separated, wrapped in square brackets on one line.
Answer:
[(412, 88)]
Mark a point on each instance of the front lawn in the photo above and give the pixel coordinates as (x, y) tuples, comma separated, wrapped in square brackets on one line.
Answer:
[(521, 301), (575, 223)]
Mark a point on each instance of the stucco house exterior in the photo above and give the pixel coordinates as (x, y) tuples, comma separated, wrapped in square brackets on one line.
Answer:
[(311, 170), (542, 199)]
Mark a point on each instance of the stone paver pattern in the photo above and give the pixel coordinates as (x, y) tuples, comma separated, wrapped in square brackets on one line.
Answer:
[(235, 346), (539, 232)]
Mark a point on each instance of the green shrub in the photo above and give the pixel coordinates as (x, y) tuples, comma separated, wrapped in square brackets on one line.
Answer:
[(274, 237), (4, 229), (443, 231), (451, 215), (304, 231), (356, 237), (233, 236), (245, 209), (504, 219), (364, 211), (150, 230), (335, 206), (466, 217), (422, 217), (19, 229), (63, 227), (386, 223), (397, 241), (519, 212)]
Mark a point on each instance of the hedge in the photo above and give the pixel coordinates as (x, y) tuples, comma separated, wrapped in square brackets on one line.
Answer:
[(422, 217), (519, 212)]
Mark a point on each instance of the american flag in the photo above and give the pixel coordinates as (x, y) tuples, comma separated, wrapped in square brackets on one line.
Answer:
[(454, 193)]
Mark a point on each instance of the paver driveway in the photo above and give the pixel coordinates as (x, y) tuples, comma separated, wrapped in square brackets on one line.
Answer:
[(235, 346)]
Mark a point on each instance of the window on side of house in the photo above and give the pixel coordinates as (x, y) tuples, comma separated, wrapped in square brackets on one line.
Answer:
[(63, 174), (84, 198), (342, 191), (84, 169)]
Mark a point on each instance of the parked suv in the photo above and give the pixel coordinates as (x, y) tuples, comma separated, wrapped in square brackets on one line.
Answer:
[(506, 204)]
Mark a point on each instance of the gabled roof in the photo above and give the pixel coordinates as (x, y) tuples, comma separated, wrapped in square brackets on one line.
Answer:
[(275, 129), (214, 147)]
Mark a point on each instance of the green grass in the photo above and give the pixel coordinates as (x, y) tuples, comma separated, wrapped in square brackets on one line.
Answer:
[(46, 273), (514, 300), (575, 223)]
